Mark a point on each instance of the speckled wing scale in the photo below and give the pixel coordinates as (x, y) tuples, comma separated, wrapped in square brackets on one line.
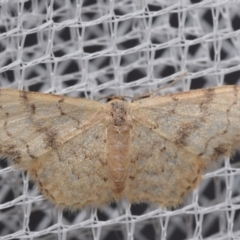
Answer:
[(82, 152)]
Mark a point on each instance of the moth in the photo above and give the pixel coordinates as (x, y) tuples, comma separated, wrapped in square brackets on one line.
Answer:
[(81, 152)]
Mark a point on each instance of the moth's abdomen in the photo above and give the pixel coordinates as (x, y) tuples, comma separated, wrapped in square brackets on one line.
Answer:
[(118, 135)]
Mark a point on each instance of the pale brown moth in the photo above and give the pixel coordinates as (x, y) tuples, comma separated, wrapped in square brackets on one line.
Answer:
[(82, 152)]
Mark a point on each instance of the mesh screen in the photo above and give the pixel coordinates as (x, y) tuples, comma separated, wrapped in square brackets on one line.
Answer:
[(100, 48)]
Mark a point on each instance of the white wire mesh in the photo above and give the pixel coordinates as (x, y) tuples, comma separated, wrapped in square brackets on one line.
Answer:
[(100, 48)]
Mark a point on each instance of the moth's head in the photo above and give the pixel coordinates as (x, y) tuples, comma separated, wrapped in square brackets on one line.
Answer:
[(118, 98)]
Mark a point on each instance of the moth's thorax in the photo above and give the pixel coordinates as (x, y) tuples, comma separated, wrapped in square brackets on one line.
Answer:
[(118, 134)]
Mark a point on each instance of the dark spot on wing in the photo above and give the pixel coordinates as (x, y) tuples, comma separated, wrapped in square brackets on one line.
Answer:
[(194, 180), (11, 150), (32, 108), (51, 138), (185, 130), (29, 153), (219, 151), (61, 100), (24, 96), (209, 94)]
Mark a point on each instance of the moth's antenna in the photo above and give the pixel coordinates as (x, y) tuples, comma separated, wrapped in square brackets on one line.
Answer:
[(159, 89)]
